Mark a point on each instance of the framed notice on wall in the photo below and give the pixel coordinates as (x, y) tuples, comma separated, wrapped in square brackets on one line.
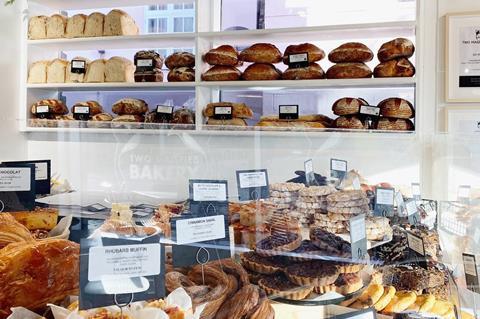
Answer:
[(462, 83)]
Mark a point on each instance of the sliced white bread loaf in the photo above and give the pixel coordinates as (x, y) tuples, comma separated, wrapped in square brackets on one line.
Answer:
[(94, 25), (56, 71), (37, 28), (118, 22), (76, 26), (56, 25), (38, 72), (96, 72), (119, 69)]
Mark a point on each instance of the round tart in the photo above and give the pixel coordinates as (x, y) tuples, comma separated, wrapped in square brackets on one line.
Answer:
[(346, 268), (261, 265), (314, 273), (329, 243), (274, 245), (306, 251), (324, 289), (348, 283), (280, 287)]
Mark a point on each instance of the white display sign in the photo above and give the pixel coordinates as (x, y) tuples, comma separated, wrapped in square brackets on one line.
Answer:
[(15, 179), (145, 63), (196, 230), (339, 165), (127, 261), (370, 110), (411, 207), (469, 52), (385, 196), (416, 244), (41, 171), (400, 204), (164, 109), (223, 110), (253, 179), (288, 109), (81, 110), (204, 192), (470, 265), (357, 229), (296, 58)]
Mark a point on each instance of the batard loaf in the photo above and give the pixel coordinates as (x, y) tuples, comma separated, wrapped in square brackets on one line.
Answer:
[(225, 55), (313, 71), (314, 53), (239, 110), (397, 48), (261, 72), (349, 71), (130, 107)]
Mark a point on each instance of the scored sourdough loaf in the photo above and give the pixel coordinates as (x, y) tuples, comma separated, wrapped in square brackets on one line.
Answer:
[(180, 59), (222, 73), (38, 72), (314, 53), (56, 25), (55, 107), (292, 124), (350, 122), (397, 48), (401, 67), (387, 124), (37, 28), (261, 53), (102, 117), (119, 69), (349, 71), (94, 106), (351, 52), (239, 110), (261, 72), (348, 106), (56, 71), (71, 77), (232, 122), (130, 107), (118, 22), (181, 74), (129, 118), (96, 72), (94, 25), (396, 108), (76, 26), (313, 71), (225, 55)]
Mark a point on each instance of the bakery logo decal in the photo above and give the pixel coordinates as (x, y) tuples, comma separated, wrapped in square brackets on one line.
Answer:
[(161, 167), (477, 34)]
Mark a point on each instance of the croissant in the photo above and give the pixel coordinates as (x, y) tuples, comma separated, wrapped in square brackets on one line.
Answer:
[(34, 273), (12, 231)]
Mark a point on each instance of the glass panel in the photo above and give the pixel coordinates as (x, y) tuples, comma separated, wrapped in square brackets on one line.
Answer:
[(178, 6), (152, 8), (177, 24), (162, 7), (188, 5), (188, 24), (163, 25), (152, 25)]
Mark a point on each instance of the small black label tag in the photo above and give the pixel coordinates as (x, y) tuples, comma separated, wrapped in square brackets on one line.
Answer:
[(384, 198), (223, 112), (253, 185), (43, 169), (78, 66), (288, 112), (42, 111), (164, 112), (81, 113), (338, 168), (370, 110), (299, 60), (144, 65)]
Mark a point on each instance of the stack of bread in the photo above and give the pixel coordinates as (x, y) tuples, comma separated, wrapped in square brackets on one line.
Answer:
[(181, 66), (394, 59), (115, 23), (310, 72), (396, 114), (130, 110), (348, 110), (148, 66), (263, 56), (240, 113), (224, 61), (313, 121), (285, 195), (311, 201), (350, 59)]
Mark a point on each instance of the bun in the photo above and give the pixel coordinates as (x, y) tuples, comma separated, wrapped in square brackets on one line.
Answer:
[(261, 53), (232, 122), (394, 68), (94, 106), (76, 26), (397, 48), (118, 22), (181, 74), (349, 71), (239, 110), (351, 52), (56, 25), (94, 25), (130, 107), (349, 122), (348, 106), (396, 108), (180, 59), (222, 73), (313, 71), (225, 55), (388, 124), (314, 53), (261, 72), (37, 28)]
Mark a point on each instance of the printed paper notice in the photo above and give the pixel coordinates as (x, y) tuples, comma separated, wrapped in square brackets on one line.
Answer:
[(253, 179), (205, 192), (15, 179), (196, 230)]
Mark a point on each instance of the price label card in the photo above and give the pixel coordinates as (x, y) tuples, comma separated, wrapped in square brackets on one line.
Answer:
[(464, 192), (42, 109), (356, 184), (361, 314), (401, 207), (416, 191), (412, 212), (17, 187), (358, 236), (309, 173), (299, 60), (471, 273), (196, 230), (252, 184), (416, 244), (81, 110), (338, 168), (208, 191), (78, 66), (370, 110), (164, 109), (144, 65), (223, 112), (43, 170), (384, 198), (288, 112)]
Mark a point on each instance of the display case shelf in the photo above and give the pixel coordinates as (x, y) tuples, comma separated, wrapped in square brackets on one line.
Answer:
[(113, 86), (95, 4)]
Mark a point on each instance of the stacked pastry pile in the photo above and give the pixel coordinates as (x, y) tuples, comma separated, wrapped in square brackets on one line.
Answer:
[(240, 113), (311, 201), (350, 59), (115, 23), (181, 66), (284, 195), (348, 110), (396, 114), (148, 66), (393, 56)]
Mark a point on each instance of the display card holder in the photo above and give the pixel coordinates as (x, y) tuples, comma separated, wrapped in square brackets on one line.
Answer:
[(81, 113), (416, 191), (384, 198), (371, 114), (369, 313), (144, 65), (116, 271), (471, 272), (43, 173), (299, 60), (413, 214), (358, 237), (338, 168), (17, 187), (288, 112), (202, 235), (464, 192), (78, 66), (164, 113), (223, 112), (416, 246), (42, 111), (253, 185), (310, 173), (401, 207)]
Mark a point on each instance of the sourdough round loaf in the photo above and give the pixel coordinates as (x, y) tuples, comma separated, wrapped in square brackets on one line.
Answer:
[(394, 68), (349, 71), (261, 53), (56, 107), (396, 108), (349, 122), (222, 73), (130, 107), (223, 55), (180, 59), (351, 52), (388, 124), (314, 53), (181, 74), (397, 48), (313, 71), (348, 106), (94, 106), (261, 72)]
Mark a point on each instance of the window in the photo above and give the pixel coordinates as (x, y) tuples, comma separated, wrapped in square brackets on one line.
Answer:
[(152, 25), (185, 6), (162, 25), (188, 6), (162, 52), (152, 8), (183, 24), (162, 7), (158, 7), (178, 6)]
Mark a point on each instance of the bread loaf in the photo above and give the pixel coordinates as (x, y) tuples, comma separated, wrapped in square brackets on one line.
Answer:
[(225, 55), (261, 53), (94, 25), (239, 110), (94, 106), (37, 28), (38, 72), (129, 119), (396, 108), (56, 107), (102, 117), (96, 72), (56, 25), (351, 52), (314, 53), (313, 71), (183, 116), (350, 122), (180, 59), (222, 73), (302, 118), (388, 124), (130, 107), (181, 74), (394, 68), (261, 72), (119, 69), (291, 124), (56, 71), (76, 77), (118, 22), (348, 106), (76, 26), (397, 48), (232, 122), (349, 71)]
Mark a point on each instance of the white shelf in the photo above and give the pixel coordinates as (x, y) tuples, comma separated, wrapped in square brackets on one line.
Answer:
[(144, 41), (113, 86), (90, 4), (330, 32)]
